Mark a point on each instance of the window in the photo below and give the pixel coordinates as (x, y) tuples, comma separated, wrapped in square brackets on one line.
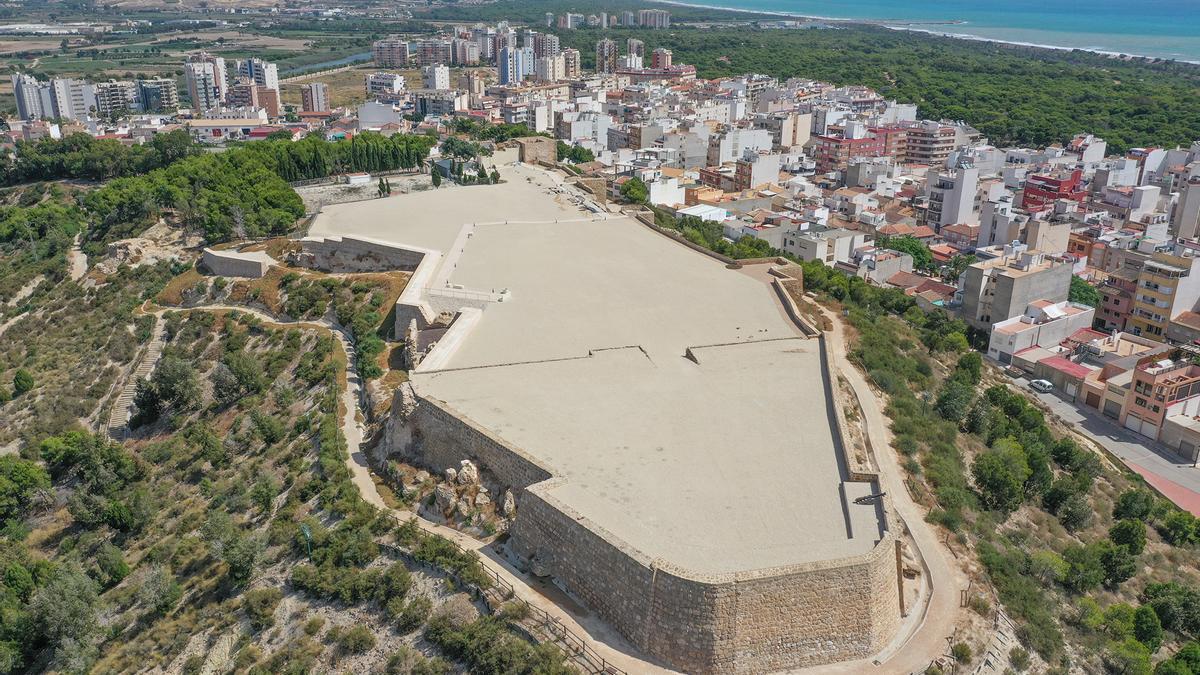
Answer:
[(1139, 402)]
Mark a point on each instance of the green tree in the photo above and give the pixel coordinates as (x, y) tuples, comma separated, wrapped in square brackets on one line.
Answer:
[(1083, 293), (1000, 473), (635, 191), (22, 382), (1147, 629), (20, 480), (63, 614), (954, 400), (159, 590), (1086, 567), (922, 258), (437, 177), (1133, 503), (1130, 533)]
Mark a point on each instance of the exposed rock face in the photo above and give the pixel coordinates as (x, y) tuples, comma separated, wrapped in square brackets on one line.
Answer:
[(508, 504), (464, 508), (444, 497), (421, 476), (468, 474), (451, 476), (482, 500)]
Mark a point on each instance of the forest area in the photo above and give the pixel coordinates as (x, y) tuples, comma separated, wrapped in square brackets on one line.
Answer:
[(1014, 95)]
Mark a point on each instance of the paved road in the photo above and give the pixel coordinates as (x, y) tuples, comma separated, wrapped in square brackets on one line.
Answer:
[(1167, 472)]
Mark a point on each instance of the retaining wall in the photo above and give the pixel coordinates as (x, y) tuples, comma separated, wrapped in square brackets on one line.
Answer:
[(234, 264), (749, 622), (357, 254)]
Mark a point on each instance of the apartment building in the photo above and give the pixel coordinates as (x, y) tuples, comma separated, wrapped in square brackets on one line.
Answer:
[(1168, 284), (385, 87), (952, 197), (607, 55), (206, 85), (999, 288), (159, 94), (314, 97), (1042, 324), (390, 52), (1042, 190), (1116, 299), (654, 18), (262, 73), (117, 98)]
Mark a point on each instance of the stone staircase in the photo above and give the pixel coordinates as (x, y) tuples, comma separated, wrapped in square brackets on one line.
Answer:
[(122, 408)]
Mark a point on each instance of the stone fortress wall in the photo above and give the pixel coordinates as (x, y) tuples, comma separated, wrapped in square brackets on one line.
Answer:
[(745, 622)]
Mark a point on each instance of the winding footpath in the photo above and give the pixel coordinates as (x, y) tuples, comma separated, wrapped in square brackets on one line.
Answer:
[(928, 639)]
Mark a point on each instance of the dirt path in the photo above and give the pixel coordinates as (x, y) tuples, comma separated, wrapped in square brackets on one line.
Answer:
[(77, 261), (941, 612)]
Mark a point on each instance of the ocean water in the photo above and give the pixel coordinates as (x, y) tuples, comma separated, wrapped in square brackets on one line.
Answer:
[(1159, 28)]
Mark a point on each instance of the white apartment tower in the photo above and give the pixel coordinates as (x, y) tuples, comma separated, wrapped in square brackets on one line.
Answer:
[(436, 77), (952, 197)]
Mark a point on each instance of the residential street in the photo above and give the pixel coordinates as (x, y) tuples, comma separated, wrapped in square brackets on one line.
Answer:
[(1167, 472)]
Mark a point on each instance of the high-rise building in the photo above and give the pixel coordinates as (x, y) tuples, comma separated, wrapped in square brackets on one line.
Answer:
[(550, 68), (952, 198), (549, 19), (654, 18), (545, 44), (466, 52), (628, 19), (606, 56), (117, 98), (243, 93), (33, 97), (391, 52), (220, 75), (660, 58), (635, 47), (158, 95), (571, 21), (202, 86), (515, 64), (435, 51), (435, 77), (314, 97), (260, 72), (72, 99), (571, 64)]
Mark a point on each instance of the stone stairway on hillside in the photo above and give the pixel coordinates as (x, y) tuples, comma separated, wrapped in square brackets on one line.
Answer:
[(122, 408)]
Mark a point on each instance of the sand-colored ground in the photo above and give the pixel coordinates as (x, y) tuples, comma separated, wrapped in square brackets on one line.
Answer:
[(720, 461)]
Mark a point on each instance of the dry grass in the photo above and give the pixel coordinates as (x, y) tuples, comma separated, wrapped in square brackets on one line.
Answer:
[(172, 293)]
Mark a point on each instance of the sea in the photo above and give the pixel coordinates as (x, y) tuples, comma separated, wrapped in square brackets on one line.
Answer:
[(1168, 29)]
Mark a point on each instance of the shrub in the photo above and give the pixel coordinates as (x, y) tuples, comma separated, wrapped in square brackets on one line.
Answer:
[(260, 605), (22, 382), (314, 625), (1000, 474), (1019, 659), (357, 640), (961, 652)]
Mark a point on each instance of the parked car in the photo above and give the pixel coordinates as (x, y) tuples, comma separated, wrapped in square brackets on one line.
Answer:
[(1042, 385)]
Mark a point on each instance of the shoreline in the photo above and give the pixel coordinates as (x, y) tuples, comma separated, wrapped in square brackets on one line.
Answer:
[(921, 26)]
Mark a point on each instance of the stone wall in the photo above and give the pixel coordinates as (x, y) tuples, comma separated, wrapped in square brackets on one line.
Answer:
[(434, 436), (234, 264), (356, 254), (749, 622), (534, 149)]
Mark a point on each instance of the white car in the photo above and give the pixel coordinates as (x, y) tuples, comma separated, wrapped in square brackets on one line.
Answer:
[(1042, 385)]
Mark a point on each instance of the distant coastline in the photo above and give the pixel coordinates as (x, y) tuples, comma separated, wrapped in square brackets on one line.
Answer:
[(923, 26)]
